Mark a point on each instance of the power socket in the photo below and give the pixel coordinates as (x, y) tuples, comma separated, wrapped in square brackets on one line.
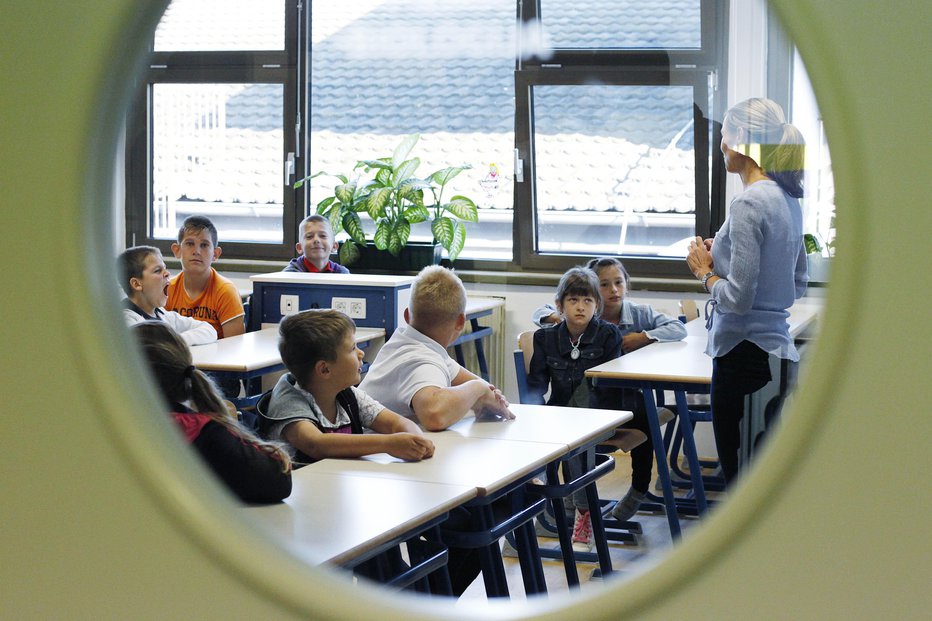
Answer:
[(288, 304), (355, 308)]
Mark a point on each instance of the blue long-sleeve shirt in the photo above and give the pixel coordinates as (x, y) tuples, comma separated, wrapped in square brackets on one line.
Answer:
[(760, 257)]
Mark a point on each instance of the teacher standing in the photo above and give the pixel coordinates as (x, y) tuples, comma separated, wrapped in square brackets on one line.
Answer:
[(755, 268)]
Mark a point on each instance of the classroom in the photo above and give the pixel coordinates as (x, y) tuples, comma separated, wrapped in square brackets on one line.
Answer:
[(521, 236)]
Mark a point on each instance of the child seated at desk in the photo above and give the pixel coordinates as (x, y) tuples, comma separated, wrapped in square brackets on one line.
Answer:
[(414, 374), (316, 407), (316, 244), (561, 357), (640, 325), (198, 290), (144, 278), (256, 471)]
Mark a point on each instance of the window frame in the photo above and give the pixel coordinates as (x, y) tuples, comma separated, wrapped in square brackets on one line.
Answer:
[(214, 67), (701, 68)]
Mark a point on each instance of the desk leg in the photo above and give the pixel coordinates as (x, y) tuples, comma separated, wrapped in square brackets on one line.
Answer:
[(598, 528), (689, 447), (663, 469), (563, 528)]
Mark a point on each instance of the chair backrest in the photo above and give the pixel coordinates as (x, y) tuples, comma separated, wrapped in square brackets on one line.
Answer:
[(689, 309), (523, 362)]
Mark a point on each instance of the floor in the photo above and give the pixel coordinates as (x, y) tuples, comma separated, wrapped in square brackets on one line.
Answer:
[(626, 559)]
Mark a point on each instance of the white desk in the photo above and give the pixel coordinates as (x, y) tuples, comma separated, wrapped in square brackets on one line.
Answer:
[(486, 464), (572, 427), (330, 518), (254, 353), (678, 366)]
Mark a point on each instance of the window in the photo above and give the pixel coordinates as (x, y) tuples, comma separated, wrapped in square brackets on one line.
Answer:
[(378, 74), (212, 128), (605, 108), (614, 134)]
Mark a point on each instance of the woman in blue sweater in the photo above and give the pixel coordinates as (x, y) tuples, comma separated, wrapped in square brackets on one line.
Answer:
[(756, 267)]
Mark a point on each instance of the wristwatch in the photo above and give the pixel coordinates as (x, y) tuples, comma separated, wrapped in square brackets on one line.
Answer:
[(705, 280)]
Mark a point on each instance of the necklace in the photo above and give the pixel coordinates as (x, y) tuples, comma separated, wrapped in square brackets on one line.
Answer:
[(574, 354)]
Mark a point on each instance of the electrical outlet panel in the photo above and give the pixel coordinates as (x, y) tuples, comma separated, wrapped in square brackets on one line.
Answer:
[(355, 308), (289, 304)]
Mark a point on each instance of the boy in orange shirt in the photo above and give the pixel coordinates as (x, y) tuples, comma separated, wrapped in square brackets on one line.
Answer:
[(198, 291)]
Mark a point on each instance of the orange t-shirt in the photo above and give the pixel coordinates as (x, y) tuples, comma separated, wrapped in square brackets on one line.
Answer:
[(218, 303)]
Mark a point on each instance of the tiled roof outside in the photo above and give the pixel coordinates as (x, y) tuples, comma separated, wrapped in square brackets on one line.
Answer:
[(366, 95)]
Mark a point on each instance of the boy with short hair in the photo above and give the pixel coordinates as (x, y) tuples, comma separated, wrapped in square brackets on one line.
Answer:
[(316, 244), (198, 291), (316, 407), (144, 278), (413, 373)]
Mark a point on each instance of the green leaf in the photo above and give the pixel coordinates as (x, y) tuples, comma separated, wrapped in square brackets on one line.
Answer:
[(345, 192), (384, 177), (443, 176), (463, 208), (302, 180), (349, 253), (443, 229), (382, 233), (459, 240), (413, 190), (384, 163), (336, 219), (416, 213), (377, 201), (406, 170), (403, 149), (399, 237), (811, 242), (322, 206), (353, 225)]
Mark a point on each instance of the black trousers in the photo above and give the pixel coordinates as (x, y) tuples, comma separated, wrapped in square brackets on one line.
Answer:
[(743, 370)]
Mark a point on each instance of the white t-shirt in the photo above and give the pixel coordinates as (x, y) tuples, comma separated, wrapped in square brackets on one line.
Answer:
[(408, 362)]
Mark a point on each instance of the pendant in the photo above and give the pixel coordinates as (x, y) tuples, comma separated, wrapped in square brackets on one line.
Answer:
[(575, 353)]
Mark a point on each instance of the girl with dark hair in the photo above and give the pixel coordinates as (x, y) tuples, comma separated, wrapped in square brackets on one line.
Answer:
[(254, 470)]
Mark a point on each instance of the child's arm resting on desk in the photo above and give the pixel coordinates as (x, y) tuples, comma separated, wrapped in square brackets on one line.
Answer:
[(437, 408), (307, 438)]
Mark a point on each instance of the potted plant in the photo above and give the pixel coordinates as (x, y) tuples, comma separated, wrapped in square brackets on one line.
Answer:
[(389, 190)]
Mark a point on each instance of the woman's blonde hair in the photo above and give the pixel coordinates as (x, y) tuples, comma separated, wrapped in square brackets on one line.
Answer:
[(180, 382), (779, 147)]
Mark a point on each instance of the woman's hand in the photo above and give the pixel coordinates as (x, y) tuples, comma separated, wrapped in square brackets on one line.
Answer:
[(699, 258)]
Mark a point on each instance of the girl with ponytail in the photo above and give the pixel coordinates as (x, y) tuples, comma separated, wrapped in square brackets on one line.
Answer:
[(755, 268), (254, 470)]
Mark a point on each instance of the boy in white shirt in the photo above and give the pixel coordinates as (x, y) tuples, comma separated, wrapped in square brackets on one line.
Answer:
[(144, 278), (413, 373)]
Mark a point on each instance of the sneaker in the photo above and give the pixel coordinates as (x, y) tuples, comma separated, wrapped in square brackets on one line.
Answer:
[(625, 508), (582, 532)]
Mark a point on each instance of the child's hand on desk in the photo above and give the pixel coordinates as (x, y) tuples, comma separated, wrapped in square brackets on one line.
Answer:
[(410, 446), (493, 406), (634, 340)]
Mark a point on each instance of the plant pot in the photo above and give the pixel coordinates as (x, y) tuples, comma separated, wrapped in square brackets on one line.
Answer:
[(413, 257), (819, 268)]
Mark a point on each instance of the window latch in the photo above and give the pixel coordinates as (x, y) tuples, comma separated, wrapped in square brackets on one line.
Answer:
[(519, 168), (289, 168)]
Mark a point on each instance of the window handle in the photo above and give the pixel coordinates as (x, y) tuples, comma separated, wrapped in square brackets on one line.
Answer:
[(289, 168), (519, 168)]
